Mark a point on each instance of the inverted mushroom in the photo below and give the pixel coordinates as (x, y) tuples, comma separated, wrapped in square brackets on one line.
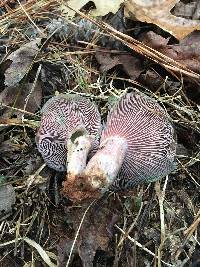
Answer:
[(136, 146), (69, 130)]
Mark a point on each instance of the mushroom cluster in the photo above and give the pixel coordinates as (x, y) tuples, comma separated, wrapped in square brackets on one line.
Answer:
[(137, 144), (68, 123)]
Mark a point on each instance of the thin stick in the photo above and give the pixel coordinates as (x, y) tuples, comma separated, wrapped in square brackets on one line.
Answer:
[(20, 110), (131, 227), (142, 247), (32, 89), (189, 231), (30, 18), (77, 233), (161, 197)]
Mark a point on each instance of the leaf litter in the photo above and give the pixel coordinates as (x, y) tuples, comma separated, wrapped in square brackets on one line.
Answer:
[(186, 52), (130, 64), (159, 13), (100, 59), (21, 61)]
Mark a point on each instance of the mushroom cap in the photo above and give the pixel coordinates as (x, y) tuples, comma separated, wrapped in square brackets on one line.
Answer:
[(151, 145), (61, 116)]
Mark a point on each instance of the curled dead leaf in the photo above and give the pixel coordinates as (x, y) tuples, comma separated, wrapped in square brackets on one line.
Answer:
[(130, 64), (21, 59), (186, 52), (158, 12)]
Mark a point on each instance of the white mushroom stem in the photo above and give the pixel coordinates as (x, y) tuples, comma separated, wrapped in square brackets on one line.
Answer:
[(104, 166), (77, 154)]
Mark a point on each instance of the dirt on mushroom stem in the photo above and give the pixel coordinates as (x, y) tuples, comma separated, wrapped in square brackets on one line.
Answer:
[(78, 188)]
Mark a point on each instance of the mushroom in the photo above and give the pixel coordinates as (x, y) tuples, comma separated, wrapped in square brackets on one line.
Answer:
[(137, 145), (69, 130)]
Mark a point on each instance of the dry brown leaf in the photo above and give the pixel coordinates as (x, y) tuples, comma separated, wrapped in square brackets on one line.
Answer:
[(158, 12), (151, 79), (187, 52), (102, 7), (21, 59), (130, 64), (24, 98), (95, 232), (187, 10)]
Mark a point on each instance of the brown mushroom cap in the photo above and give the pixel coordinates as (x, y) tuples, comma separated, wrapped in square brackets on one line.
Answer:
[(149, 136), (65, 117)]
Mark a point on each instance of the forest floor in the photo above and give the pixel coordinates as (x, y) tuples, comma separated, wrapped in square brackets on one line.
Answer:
[(44, 53)]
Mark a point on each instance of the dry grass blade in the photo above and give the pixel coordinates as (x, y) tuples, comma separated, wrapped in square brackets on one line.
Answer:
[(161, 197), (167, 62), (31, 178), (17, 122), (41, 251), (35, 245), (30, 18), (193, 226)]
